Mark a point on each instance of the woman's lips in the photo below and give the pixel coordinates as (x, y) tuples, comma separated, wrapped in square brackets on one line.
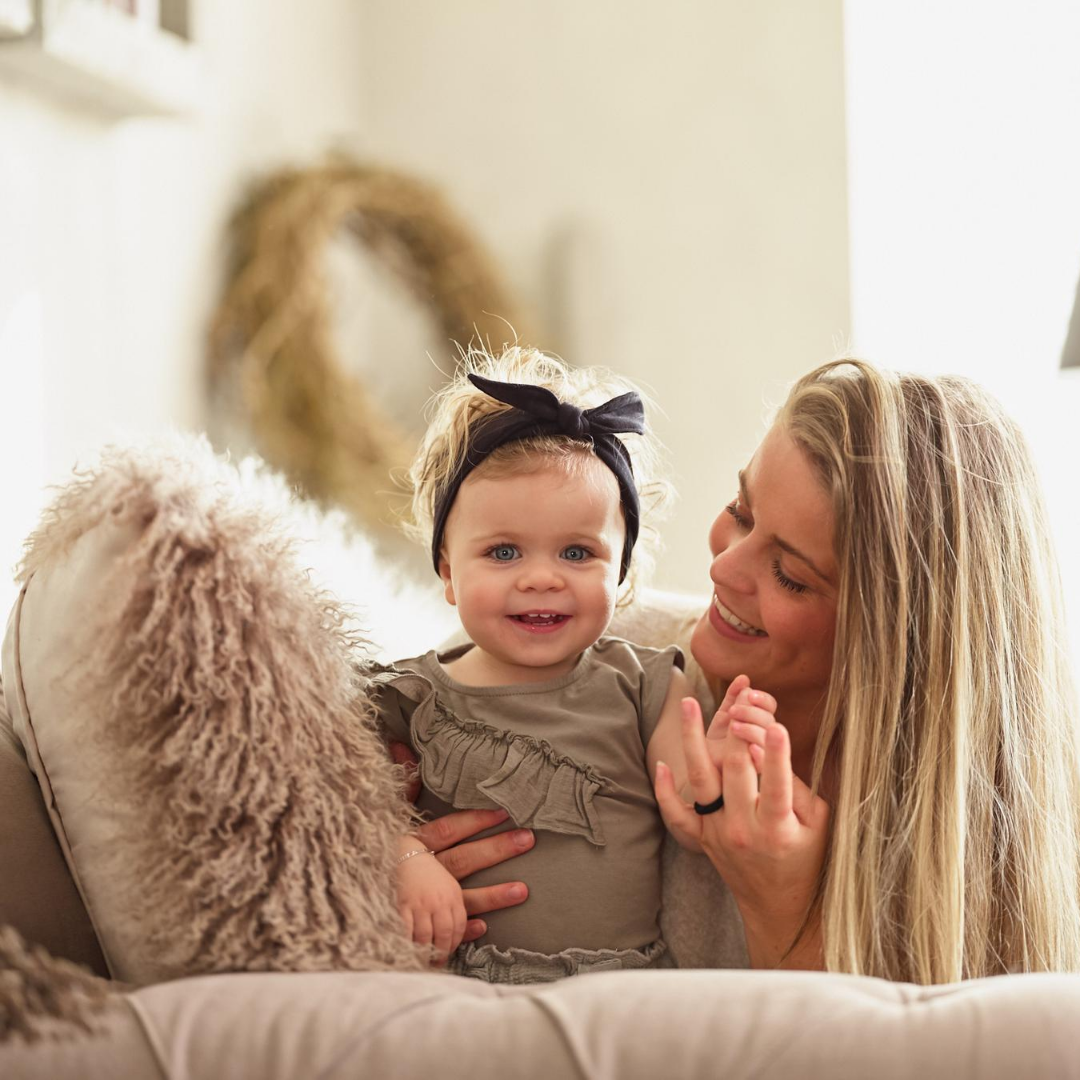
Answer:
[(725, 629), (539, 622)]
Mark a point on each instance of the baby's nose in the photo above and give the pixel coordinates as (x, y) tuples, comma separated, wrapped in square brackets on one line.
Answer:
[(539, 574)]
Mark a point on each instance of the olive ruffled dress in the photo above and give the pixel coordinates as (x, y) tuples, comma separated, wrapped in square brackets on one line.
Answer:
[(566, 758)]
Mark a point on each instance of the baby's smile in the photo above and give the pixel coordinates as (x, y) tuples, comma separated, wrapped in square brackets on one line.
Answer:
[(540, 622)]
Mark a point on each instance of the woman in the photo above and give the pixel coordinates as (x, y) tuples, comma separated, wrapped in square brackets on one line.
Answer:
[(885, 581)]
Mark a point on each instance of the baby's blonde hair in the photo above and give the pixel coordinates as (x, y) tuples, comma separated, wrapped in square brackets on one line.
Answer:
[(455, 411)]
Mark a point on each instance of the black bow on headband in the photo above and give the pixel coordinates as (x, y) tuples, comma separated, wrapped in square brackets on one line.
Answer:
[(537, 411)]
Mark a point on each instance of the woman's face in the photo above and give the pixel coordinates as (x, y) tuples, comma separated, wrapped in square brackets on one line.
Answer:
[(774, 580)]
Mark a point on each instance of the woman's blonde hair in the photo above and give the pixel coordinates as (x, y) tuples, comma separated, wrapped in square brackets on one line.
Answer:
[(955, 845), (455, 411)]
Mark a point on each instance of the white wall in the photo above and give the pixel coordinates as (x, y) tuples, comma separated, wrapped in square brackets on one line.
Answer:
[(964, 150), (663, 185), (112, 236)]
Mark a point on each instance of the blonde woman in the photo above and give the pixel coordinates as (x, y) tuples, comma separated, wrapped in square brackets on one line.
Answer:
[(885, 573), (892, 787)]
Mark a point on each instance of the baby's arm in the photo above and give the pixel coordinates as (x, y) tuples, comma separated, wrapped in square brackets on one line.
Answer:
[(665, 746), (429, 899)]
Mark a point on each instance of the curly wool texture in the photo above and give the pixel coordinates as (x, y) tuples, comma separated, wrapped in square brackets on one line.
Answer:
[(37, 989), (265, 809)]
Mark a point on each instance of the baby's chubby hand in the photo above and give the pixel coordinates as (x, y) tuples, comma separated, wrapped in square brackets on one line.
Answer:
[(745, 714), (430, 900)]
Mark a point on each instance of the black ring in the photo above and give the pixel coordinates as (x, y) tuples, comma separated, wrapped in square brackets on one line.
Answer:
[(710, 808)]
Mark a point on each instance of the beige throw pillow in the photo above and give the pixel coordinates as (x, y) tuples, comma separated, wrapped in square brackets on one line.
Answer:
[(189, 705)]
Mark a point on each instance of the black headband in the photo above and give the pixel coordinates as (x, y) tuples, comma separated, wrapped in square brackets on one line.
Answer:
[(537, 411)]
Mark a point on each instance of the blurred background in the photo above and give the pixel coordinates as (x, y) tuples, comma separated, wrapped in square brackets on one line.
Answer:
[(710, 196)]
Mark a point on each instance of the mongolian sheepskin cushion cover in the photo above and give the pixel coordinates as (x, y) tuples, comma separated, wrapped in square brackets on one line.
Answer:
[(188, 700), (36, 989)]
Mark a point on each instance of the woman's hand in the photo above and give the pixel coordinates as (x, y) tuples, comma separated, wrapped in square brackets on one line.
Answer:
[(445, 836), (402, 755), (767, 842)]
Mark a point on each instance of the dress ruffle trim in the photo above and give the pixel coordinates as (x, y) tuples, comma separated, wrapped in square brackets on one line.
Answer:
[(473, 766), (520, 967)]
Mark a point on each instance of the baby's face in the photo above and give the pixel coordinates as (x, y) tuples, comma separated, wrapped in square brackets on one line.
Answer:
[(532, 563)]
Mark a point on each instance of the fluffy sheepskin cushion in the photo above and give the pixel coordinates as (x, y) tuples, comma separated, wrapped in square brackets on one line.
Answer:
[(189, 703), (36, 988)]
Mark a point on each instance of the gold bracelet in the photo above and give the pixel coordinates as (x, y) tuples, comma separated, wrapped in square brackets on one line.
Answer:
[(411, 854)]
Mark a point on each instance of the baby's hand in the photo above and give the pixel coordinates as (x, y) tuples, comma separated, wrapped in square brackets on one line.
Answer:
[(430, 901), (752, 712)]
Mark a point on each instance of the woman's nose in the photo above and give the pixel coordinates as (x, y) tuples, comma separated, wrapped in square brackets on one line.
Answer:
[(730, 567)]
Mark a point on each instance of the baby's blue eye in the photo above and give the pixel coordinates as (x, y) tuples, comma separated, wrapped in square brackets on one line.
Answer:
[(575, 554), (503, 553)]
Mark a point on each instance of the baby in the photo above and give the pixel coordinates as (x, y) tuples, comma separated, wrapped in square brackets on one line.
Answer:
[(531, 505)]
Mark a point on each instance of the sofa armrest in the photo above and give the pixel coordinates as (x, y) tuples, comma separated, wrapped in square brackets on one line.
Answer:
[(37, 894)]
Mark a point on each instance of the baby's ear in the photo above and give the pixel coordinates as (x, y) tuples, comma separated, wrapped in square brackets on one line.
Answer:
[(448, 584)]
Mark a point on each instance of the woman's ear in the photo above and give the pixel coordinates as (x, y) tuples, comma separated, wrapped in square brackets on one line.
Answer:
[(448, 584)]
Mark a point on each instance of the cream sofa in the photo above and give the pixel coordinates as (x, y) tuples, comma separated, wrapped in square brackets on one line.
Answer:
[(708, 1019)]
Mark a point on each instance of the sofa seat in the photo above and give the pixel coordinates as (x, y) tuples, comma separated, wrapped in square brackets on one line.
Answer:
[(684, 1024)]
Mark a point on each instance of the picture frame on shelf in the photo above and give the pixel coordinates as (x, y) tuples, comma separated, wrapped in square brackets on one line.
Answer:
[(16, 18), (111, 56)]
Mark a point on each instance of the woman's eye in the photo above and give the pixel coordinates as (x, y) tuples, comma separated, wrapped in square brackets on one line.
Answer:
[(575, 553), (785, 581), (740, 518), (503, 552)]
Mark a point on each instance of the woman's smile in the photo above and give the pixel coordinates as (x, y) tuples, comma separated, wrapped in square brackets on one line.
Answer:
[(729, 624)]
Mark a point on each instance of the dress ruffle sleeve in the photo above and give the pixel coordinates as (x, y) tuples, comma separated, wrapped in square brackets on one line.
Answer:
[(473, 766)]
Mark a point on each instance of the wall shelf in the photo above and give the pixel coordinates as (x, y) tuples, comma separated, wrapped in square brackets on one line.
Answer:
[(93, 55)]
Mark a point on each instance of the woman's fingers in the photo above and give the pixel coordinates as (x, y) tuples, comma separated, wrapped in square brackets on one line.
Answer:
[(467, 858), (810, 809), (474, 928), (740, 784), (702, 774), (401, 754), (775, 802), (681, 819), (494, 898), (454, 827)]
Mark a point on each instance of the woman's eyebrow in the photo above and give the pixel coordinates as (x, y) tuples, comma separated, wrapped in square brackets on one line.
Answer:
[(743, 493), (783, 545)]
